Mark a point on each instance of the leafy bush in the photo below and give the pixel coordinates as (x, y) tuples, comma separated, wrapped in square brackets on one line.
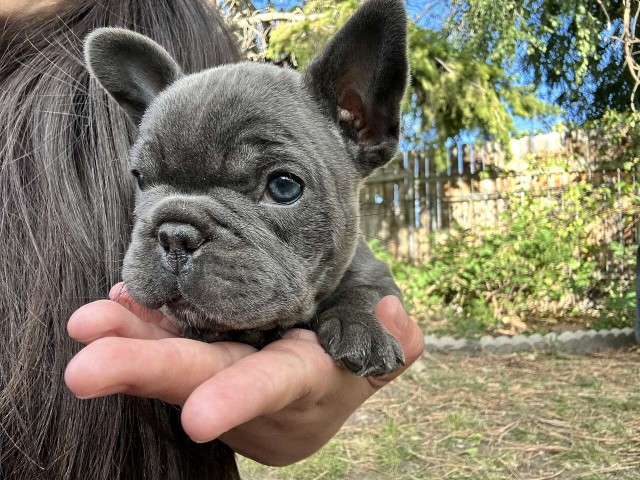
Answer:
[(552, 260)]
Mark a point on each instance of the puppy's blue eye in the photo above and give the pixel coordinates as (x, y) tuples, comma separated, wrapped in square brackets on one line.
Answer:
[(284, 189), (139, 178)]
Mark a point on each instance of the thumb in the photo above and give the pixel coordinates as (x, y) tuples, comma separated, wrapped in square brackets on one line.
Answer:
[(394, 317)]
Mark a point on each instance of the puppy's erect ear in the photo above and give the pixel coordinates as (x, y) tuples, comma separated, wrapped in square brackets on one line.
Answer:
[(132, 68), (360, 79)]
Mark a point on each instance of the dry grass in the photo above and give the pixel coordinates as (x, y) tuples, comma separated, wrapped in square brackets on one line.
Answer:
[(491, 417)]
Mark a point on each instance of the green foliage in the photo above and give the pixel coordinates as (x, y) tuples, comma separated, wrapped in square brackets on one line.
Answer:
[(305, 38), (549, 261), (618, 137), (572, 46), (452, 89)]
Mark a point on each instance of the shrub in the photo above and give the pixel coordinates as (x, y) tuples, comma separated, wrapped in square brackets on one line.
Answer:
[(553, 259)]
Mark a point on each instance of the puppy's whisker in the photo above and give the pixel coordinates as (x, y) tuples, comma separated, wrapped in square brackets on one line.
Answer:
[(379, 239), (378, 214), (357, 231)]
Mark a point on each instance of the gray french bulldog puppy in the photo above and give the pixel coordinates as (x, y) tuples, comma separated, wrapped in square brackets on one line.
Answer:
[(246, 219)]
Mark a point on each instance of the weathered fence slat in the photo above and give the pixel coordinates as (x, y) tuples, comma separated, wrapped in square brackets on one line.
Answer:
[(411, 199)]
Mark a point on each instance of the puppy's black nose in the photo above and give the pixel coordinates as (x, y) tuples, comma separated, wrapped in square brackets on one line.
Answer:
[(179, 241)]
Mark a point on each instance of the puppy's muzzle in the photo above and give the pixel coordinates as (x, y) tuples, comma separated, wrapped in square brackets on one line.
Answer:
[(179, 241)]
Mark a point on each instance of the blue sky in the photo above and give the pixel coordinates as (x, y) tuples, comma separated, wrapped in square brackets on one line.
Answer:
[(432, 15)]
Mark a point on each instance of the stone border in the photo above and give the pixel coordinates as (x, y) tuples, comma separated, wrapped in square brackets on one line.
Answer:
[(580, 341)]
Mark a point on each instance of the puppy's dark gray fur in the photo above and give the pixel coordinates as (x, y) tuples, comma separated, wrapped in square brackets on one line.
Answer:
[(210, 245)]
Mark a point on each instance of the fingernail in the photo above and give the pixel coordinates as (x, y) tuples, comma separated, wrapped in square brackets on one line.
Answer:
[(112, 390), (117, 291), (110, 333)]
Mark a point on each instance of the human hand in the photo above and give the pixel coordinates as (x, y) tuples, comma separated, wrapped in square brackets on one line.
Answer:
[(276, 406)]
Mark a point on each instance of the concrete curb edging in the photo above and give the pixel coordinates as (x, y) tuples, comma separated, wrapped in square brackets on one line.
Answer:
[(581, 341)]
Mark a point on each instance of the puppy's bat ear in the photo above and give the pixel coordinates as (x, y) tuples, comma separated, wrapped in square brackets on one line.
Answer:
[(132, 68), (360, 79)]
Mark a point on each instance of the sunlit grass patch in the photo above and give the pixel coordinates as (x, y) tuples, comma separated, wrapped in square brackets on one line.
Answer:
[(490, 417)]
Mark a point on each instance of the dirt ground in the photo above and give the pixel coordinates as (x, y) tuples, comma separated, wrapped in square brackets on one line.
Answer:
[(490, 417)]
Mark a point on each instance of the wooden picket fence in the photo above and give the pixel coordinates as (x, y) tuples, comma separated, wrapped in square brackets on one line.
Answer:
[(407, 203)]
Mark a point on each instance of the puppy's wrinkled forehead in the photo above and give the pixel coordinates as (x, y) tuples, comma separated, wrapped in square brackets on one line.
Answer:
[(227, 124)]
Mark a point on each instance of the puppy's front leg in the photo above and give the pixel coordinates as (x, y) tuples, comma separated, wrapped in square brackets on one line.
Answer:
[(346, 325)]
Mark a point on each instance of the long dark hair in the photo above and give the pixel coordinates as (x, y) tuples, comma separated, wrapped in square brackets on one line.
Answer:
[(65, 216)]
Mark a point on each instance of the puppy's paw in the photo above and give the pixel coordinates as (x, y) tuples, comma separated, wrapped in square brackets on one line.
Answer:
[(358, 342)]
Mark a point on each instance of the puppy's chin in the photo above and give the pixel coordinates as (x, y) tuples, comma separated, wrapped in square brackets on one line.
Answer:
[(195, 323), (192, 326)]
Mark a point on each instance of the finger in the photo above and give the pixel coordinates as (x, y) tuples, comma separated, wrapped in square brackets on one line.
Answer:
[(302, 335), (168, 369), (119, 294), (105, 318), (261, 384), (393, 316)]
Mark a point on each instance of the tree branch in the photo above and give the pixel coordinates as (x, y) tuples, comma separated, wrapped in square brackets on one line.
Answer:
[(629, 40), (606, 14)]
